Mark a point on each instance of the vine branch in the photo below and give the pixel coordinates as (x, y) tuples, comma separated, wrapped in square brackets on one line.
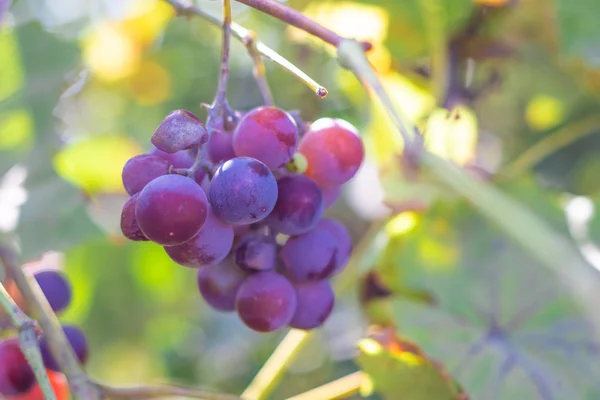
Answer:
[(338, 389), (28, 335), (160, 391)]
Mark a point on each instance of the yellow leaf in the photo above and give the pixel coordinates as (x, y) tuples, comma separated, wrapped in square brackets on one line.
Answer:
[(452, 134), (11, 70), (149, 20), (151, 84), (544, 112), (16, 129)]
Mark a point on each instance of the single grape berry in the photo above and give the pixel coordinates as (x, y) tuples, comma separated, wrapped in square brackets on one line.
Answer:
[(342, 238), (266, 301), (299, 205), (16, 376), (220, 147), (129, 225), (141, 170), (59, 384), (171, 209), (219, 284), (311, 256), (330, 195), (56, 288), (77, 341), (210, 246), (180, 159), (334, 151), (315, 302), (180, 130), (268, 134), (256, 253), (243, 191)]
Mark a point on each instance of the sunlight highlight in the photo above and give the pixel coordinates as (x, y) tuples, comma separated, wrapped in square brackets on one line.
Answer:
[(402, 224), (544, 112)]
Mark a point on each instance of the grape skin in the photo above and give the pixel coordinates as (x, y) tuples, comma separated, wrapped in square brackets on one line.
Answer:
[(141, 170), (342, 238), (171, 209), (334, 151), (180, 130), (77, 341), (180, 159), (243, 191), (220, 147), (129, 226), (315, 301), (210, 246), (266, 301), (331, 194), (299, 205), (16, 376), (268, 134), (56, 288), (311, 256), (218, 284), (256, 253)]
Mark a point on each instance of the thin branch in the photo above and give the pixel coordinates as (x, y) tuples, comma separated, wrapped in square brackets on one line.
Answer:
[(259, 68), (154, 392), (28, 338), (299, 20), (338, 389), (221, 97), (185, 7), (81, 388)]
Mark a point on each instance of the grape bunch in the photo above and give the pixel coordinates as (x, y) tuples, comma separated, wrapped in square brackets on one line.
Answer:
[(17, 380), (244, 206)]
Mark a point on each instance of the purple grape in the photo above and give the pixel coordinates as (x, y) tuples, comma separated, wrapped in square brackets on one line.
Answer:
[(220, 147), (256, 253), (299, 205), (266, 301), (315, 302), (56, 288), (141, 170), (311, 256), (210, 246), (129, 225), (180, 130), (243, 191), (342, 238), (181, 159), (334, 151), (268, 134), (16, 376), (76, 339), (331, 195), (219, 284), (171, 209)]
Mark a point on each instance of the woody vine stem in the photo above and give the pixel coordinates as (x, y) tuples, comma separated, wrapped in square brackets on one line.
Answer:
[(82, 386)]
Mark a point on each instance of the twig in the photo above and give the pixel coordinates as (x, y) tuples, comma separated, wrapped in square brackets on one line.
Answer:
[(81, 388), (550, 144), (27, 328), (184, 7), (340, 388), (259, 68), (296, 18), (221, 97), (154, 392)]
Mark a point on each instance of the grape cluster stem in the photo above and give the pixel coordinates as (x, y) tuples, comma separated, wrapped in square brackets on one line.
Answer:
[(28, 331)]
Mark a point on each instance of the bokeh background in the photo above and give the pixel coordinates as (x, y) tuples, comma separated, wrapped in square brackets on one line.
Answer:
[(507, 90)]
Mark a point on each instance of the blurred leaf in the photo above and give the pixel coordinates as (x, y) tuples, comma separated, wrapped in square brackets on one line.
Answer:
[(452, 134), (396, 366), (504, 325), (579, 29), (11, 71)]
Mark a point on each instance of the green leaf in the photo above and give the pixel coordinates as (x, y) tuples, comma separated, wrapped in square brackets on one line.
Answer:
[(579, 29)]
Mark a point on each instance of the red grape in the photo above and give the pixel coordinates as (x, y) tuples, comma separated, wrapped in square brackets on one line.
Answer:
[(129, 225), (77, 341), (268, 134), (210, 246), (256, 253), (299, 205), (141, 170), (219, 284), (56, 288), (180, 130), (16, 376), (311, 256), (59, 383), (334, 151), (171, 209), (342, 238), (330, 195), (243, 191), (180, 159), (266, 301), (220, 147), (315, 302)]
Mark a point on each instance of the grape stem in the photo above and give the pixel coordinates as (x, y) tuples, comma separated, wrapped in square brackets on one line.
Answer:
[(250, 41), (28, 332), (299, 20), (185, 7), (155, 392), (338, 389)]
